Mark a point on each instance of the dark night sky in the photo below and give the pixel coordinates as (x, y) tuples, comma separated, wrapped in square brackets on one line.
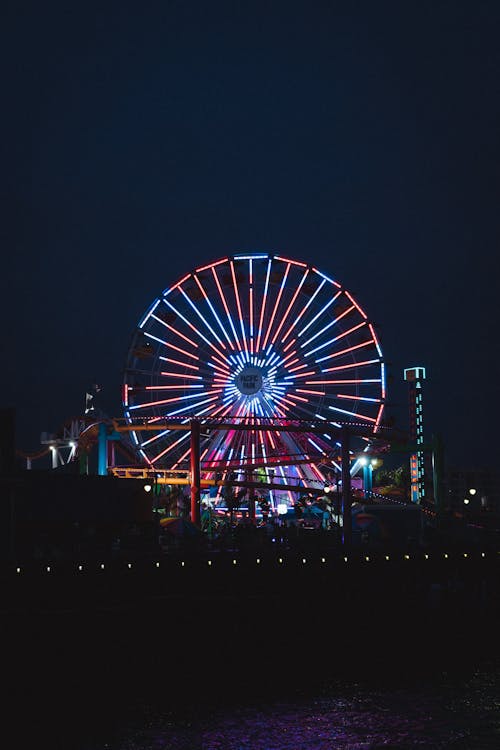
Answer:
[(139, 141)]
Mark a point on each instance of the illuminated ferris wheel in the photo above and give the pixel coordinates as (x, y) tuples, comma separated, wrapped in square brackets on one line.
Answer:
[(253, 335)]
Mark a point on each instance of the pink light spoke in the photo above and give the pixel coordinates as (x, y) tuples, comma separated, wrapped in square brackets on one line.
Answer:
[(337, 338), (250, 302), (350, 396), (181, 459), (352, 365), (214, 313), (342, 382), (178, 387), (203, 319), (329, 325), (182, 351), (153, 439), (295, 369), (169, 448), (221, 362), (150, 404), (313, 393), (226, 308), (292, 354), (181, 375), (193, 328), (181, 364), (174, 330), (298, 398), (278, 299), (285, 316), (238, 305), (346, 351), (263, 307)]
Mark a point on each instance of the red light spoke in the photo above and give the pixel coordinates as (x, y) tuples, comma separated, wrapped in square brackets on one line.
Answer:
[(278, 299)]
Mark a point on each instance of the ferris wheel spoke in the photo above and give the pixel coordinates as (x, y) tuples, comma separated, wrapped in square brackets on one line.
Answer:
[(350, 396), (182, 458), (238, 305), (352, 413), (170, 447), (353, 381), (225, 305), (276, 305), (344, 352), (352, 365), (319, 314), (202, 318), (156, 437), (304, 309), (291, 304), (328, 326), (180, 364), (263, 305), (173, 330), (162, 402), (190, 325), (192, 407), (336, 338), (214, 312)]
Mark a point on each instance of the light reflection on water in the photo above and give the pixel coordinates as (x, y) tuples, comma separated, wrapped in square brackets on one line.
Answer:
[(459, 714)]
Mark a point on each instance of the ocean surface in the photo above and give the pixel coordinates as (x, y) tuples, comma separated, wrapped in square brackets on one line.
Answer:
[(303, 668), (448, 711)]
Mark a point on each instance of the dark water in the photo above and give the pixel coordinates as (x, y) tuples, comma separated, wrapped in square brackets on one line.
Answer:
[(243, 673), (130, 683), (447, 712)]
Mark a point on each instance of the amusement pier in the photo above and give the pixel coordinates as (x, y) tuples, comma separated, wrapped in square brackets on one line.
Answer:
[(254, 424)]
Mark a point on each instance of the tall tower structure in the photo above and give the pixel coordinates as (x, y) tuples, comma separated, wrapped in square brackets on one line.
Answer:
[(415, 377)]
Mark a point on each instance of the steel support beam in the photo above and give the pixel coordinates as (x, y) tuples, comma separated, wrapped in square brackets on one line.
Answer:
[(367, 481), (102, 454), (346, 486), (195, 471)]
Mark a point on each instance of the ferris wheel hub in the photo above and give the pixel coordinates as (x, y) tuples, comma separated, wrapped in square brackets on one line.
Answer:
[(249, 381)]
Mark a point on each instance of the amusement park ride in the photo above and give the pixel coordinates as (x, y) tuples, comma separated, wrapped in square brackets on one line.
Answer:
[(254, 369)]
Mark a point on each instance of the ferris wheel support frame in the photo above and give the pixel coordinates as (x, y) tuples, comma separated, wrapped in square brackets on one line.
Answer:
[(194, 426)]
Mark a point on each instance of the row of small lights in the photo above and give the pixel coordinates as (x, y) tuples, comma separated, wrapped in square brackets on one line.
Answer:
[(280, 561)]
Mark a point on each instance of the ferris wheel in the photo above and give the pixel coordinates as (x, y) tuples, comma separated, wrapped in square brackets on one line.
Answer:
[(253, 335)]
